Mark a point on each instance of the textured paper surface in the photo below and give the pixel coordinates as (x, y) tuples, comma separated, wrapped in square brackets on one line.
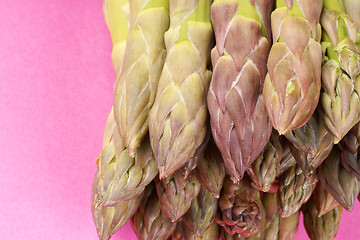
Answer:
[(56, 82)]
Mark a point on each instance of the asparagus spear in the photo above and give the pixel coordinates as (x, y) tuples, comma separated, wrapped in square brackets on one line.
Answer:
[(240, 208), (107, 188), (338, 181), (238, 117), (201, 213), (320, 228), (149, 222), (265, 168), (340, 72), (184, 233), (135, 89), (176, 194), (110, 219), (323, 200), (294, 190), (122, 177), (269, 200), (289, 226), (237, 236), (350, 147), (314, 143), (177, 121), (178, 232), (117, 17), (292, 85), (212, 233), (211, 171), (277, 227)]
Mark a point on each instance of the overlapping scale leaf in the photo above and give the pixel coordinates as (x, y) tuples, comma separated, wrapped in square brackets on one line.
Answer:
[(190, 165), (352, 8), (287, 160)]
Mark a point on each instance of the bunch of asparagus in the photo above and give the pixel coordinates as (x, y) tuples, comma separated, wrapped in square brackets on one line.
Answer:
[(230, 117)]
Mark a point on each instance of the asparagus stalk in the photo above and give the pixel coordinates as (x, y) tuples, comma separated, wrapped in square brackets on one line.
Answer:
[(177, 121), (117, 17), (121, 176), (320, 228), (201, 213), (135, 89), (340, 99), (238, 117), (292, 85), (269, 200), (176, 194), (211, 171), (240, 208), (350, 147), (264, 169), (289, 226), (213, 232), (314, 143), (184, 233), (277, 227), (110, 219), (338, 181), (294, 190), (149, 222)]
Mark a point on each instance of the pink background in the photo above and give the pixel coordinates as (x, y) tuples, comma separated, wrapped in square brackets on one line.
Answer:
[(56, 82)]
